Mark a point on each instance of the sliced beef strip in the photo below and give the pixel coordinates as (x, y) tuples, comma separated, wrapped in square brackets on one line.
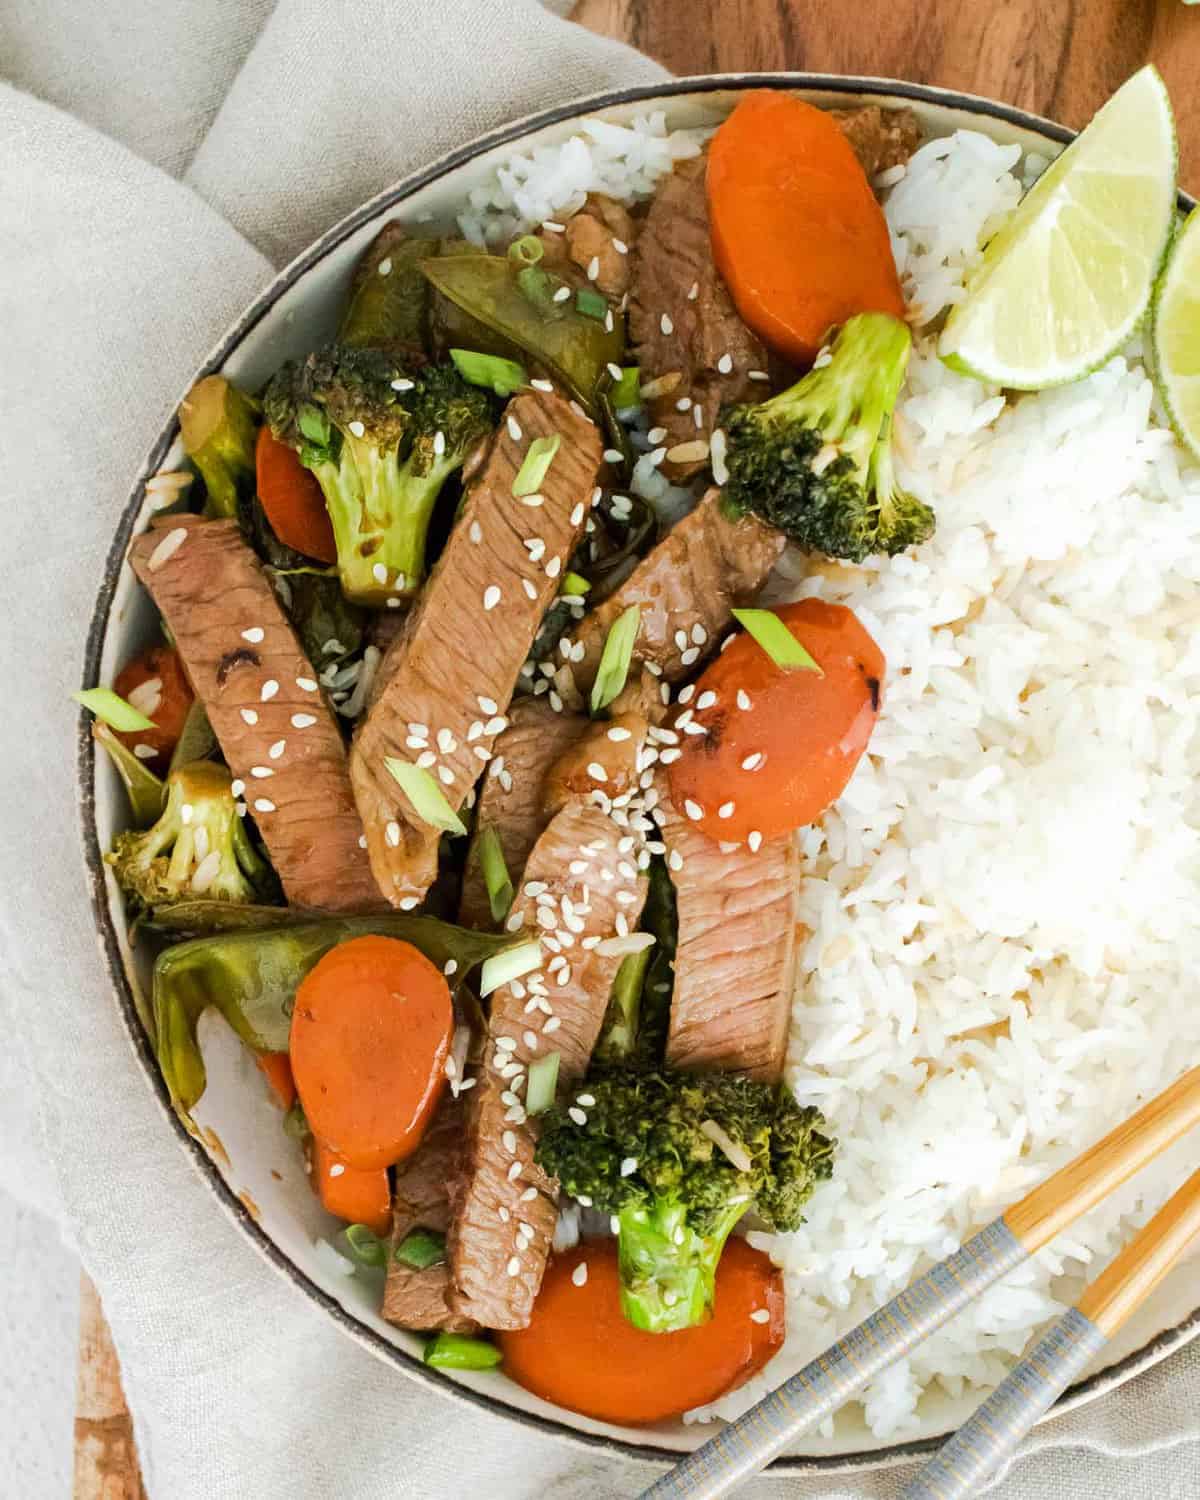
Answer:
[(705, 566), (606, 757), (415, 1297), (504, 1205), (690, 343), (262, 697), (454, 668), (514, 804), (736, 957), (594, 233), (880, 138)]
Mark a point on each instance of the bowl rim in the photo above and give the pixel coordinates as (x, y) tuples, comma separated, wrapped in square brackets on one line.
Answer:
[(1151, 1353)]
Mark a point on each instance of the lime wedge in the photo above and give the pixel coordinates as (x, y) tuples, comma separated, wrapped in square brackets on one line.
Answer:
[(1175, 335), (1069, 277)]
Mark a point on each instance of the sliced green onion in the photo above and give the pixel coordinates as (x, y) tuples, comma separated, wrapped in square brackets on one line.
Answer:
[(542, 1083), (421, 1248), (591, 304), (538, 286), (365, 1245), (526, 251), (627, 392), (113, 709), (146, 792), (617, 654), (776, 640), (574, 583), (455, 1351), (504, 967), (504, 376), (424, 794), (535, 465), (495, 873)]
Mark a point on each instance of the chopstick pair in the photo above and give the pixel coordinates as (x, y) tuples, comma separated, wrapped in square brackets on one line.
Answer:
[(995, 1430)]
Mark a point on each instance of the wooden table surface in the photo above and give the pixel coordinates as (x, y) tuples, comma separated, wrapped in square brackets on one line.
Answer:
[(1060, 58)]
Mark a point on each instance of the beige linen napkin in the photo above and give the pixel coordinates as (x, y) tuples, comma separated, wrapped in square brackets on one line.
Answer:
[(158, 160)]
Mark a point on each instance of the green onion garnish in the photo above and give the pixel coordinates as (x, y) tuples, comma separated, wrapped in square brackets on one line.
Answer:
[(501, 968), (574, 583), (495, 873), (538, 287), (614, 662), (455, 1351), (424, 794), (365, 1246), (421, 1248), (526, 251), (113, 709), (535, 465), (776, 640), (627, 392), (542, 1083), (591, 304), (504, 376)]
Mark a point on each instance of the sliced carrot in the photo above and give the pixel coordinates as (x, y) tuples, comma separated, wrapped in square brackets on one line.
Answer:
[(357, 1195), (581, 1353), (370, 1033), (292, 499), (797, 232), (165, 697), (780, 745), (277, 1070)]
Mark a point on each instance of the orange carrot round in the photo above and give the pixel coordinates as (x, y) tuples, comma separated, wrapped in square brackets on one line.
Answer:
[(797, 232), (292, 499), (370, 1033), (357, 1195), (276, 1068), (581, 1353), (166, 702), (780, 745)]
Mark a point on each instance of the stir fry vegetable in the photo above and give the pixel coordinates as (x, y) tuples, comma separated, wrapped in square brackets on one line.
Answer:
[(145, 789), (359, 1195), (292, 500), (219, 426), (780, 744), (155, 684), (388, 300)]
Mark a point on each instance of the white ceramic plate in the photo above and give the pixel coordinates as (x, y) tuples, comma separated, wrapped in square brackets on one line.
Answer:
[(255, 1172)]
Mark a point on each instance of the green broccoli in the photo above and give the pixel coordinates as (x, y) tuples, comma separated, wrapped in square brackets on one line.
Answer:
[(816, 461), (382, 442), (198, 846), (219, 427), (678, 1158)]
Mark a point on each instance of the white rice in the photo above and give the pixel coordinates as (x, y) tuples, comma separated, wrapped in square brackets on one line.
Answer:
[(1005, 904)]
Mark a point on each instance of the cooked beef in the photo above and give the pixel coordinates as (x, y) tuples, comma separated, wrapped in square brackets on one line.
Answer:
[(260, 690), (513, 803), (503, 1205), (606, 757), (690, 343), (450, 676), (704, 567), (415, 1297), (736, 955), (880, 138), (593, 234)]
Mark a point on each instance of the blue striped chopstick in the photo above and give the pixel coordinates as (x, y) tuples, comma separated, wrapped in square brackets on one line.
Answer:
[(748, 1444)]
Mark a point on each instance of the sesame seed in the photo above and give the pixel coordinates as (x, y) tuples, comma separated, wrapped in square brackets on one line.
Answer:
[(250, 715), (743, 699), (554, 567), (533, 501), (379, 573), (491, 596), (579, 1274), (725, 810), (552, 1024), (167, 548), (306, 684), (552, 225), (530, 591), (706, 699), (269, 689), (755, 841), (475, 532), (409, 903), (753, 761), (385, 266), (542, 385), (401, 385), (613, 456), (759, 375), (689, 656), (725, 364), (446, 741), (562, 294), (237, 786), (254, 634), (530, 1040), (303, 721), (426, 759), (666, 324), (392, 834), (760, 1315), (577, 514), (145, 752), (693, 810), (357, 429), (656, 435), (510, 1142), (263, 805), (593, 268), (514, 428), (337, 1169), (528, 1195), (609, 324), (262, 772), (514, 1171), (450, 967), (362, 841), (675, 860), (684, 403), (514, 1266), (445, 775), (439, 443), (694, 292)]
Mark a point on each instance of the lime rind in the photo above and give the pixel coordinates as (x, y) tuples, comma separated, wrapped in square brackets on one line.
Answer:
[(1179, 281), (1129, 232)]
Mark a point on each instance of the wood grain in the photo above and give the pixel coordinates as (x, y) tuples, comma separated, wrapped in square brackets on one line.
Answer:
[(1082, 1183), (1060, 58), (1124, 1285), (106, 1461)]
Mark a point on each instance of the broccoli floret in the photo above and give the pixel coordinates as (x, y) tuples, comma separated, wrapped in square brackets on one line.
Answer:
[(678, 1158), (816, 461), (198, 846), (219, 426), (382, 441)]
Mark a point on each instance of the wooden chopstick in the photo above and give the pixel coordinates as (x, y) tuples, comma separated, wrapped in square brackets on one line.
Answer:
[(752, 1441), (993, 1432)]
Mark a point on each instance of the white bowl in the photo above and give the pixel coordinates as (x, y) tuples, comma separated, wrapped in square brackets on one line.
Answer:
[(255, 1172)]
